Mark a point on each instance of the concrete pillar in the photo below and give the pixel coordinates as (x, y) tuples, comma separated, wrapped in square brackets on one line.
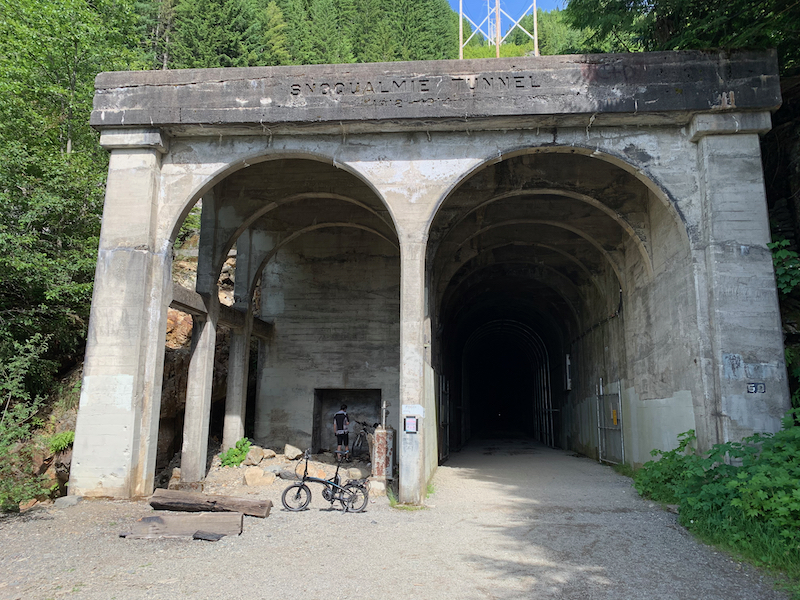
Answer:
[(198, 394), (117, 428), (204, 338), (747, 389), (412, 353), (236, 397)]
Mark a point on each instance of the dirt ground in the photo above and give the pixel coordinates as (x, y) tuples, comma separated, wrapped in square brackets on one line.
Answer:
[(506, 520)]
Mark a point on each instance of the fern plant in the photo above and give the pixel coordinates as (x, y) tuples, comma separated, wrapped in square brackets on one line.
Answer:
[(61, 441), (235, 456)]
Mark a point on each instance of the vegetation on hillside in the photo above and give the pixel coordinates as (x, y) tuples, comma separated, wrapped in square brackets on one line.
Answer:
[(743, 496), (693, 24)]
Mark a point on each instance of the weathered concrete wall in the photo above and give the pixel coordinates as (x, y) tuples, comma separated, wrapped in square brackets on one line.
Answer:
[(334, 299)]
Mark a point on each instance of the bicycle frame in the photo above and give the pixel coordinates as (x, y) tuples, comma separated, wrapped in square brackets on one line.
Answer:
[(333, 489)]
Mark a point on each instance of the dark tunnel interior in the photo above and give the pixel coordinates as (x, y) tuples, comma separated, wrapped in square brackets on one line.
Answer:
[(503, 346)]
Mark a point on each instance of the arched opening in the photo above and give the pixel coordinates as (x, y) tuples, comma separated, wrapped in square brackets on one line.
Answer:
[(313, 258), (542, 277)]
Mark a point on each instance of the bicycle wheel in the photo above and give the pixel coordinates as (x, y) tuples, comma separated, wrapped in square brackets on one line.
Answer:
[(359, 496), (358, 443), (296, 497)]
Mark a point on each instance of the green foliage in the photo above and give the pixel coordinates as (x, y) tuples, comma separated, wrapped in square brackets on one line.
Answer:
[(686, 24), (792, 356), (787, 266), (235, 456), (52, 171), (424, 29), (18, 483), (744, 495), (190, 226), (228, 33), (61, 441), (662, 480)]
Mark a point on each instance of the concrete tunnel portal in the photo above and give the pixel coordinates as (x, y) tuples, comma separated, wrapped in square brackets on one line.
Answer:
[(523, 264), (565, 248)]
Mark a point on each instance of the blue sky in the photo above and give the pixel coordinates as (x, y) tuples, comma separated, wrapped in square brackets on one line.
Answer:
[(476, 9)]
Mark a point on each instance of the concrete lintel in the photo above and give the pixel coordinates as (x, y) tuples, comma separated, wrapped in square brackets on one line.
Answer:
[(116, 139), (415, 93), (729, 123), (191, 302)]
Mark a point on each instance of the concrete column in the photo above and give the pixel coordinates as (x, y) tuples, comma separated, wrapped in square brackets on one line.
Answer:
[(412, 383), (117, 428), (747, 389), (236, 397), (198, 394)]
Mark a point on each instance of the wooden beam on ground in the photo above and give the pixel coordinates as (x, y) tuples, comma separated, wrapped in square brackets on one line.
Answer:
[(197, 502), (209, 525)]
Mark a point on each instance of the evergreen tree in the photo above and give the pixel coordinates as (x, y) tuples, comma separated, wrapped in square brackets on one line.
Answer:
[(155, 30), (373, 39), (684, 24), (275, 40), (227, 33), (330, 42), (424, 29), (298, 31)]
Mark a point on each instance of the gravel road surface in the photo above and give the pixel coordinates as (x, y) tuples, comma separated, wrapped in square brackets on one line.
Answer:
[(508, 519)]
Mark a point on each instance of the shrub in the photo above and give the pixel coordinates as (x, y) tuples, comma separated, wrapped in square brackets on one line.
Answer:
[(18, 482), (743, 496), (233, 457), (61, 441)]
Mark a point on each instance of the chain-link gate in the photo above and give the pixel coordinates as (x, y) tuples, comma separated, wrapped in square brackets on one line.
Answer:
[(609, 429)]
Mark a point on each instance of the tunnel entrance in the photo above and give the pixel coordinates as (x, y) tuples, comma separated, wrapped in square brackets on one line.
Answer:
[(531, 260)]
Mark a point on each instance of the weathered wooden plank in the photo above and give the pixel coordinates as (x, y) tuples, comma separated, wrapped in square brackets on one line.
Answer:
[(183, 525), (197, 502)]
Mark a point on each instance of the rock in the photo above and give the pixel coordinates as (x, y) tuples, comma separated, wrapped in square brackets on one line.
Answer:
[(23, 506), (62, 463), (315, 471), (254, 456), (357, 473), (288, 474), (189, 486), (269, 453), (67, 501), (255, 476), (377, 488), (179, 329), (175, 479), (273, 468), (291, 452)]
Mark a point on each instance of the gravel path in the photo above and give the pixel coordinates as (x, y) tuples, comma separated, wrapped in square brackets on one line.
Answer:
[(507, 520)]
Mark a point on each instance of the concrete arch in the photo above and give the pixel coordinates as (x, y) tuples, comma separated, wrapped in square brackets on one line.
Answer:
[(254, 157), (619, 219), (253, 218), (569, 303), (559, 225), (550, 247), (639, 172)]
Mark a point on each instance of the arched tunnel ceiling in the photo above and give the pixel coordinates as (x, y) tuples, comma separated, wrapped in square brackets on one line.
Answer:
[(288, 195), (281, 200), (552, 230)]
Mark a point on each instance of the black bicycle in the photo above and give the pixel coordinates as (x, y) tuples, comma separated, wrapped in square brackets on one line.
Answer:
[(353, 495)]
